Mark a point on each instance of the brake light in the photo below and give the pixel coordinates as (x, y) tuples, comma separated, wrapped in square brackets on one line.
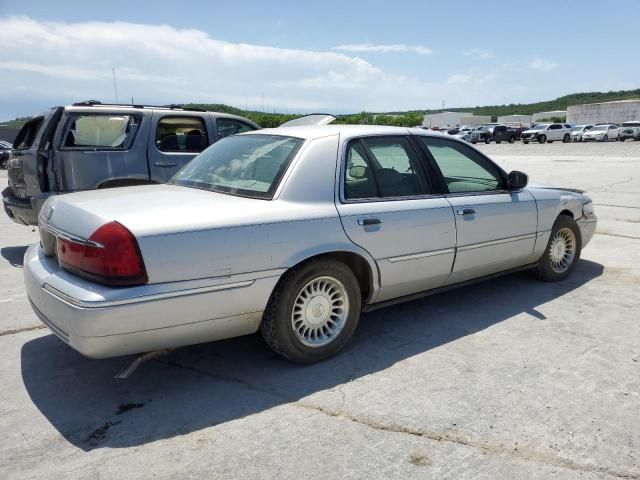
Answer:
[(111, 256)]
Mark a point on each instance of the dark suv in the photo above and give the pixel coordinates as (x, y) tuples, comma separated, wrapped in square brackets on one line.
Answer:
[(90, 145), (496, 133)]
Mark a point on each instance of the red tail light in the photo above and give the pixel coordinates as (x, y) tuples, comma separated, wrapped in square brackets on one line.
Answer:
[(111, 256)]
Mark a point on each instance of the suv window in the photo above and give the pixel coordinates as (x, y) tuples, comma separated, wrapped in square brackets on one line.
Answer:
[(181, 134), (379, 167), (230, 126), (100, 131), (463, 168), (27, 134), (555, 126)]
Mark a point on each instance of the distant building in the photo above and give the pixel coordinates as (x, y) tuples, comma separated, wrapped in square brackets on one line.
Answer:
[(523, 120), (554, 114), (443, 119), (473, 120), (607, 112)]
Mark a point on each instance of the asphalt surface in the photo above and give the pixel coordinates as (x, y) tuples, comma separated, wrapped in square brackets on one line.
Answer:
[(510, 378)]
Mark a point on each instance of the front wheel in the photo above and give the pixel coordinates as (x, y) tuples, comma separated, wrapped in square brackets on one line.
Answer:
[(605, 138), (525, 142), (622, 139), (313, 312), (566, 138), (512, 139), (542, 139), (498, 142), (562, 252), (487, 141)]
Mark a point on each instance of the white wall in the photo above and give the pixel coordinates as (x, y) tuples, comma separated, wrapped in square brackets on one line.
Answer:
[(615, 112), (443, 119), (555, 113)]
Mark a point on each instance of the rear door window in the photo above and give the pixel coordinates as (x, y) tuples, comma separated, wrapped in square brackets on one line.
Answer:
[(99, 131), (181, 134), (28, 133), (231, 126)]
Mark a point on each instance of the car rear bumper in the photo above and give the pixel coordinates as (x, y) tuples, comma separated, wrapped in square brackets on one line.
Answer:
[(102, 322), (17, 209), (23, 210)]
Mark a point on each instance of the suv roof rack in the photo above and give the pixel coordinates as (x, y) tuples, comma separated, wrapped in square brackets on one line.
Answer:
[(173, 106)]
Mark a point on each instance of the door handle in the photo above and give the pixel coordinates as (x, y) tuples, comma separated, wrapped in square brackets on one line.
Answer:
[(165, 164), (466, 211), (369, 221)]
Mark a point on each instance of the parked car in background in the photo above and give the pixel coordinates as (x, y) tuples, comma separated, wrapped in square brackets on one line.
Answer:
[(480, 134), (547, 132), (493, 132), (5, 150), (293, 232), (89, 145), (629, 130), (602, 133), (578, 131)]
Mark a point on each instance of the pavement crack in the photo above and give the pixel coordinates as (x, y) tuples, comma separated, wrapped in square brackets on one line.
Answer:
[(224, 378), (486, 448), (20, 330)]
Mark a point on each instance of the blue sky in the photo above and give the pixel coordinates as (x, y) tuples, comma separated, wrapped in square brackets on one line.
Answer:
[(309, 56)]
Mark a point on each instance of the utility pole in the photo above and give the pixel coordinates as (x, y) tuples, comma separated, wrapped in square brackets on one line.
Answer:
[(115, 86), (262, 96)]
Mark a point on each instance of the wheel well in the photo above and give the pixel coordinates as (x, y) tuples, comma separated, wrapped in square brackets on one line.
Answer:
[(358, 265), (124, 182), (567, 213)]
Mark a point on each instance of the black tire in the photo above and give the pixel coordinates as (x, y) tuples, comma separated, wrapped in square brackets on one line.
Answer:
[(566, 138), (512, 139), (526, 142), (605, 138), (277, 328), (542, 139), (550, 141), (474, 142), (545, 270), (498, 142), (622, 139), (487, 141)]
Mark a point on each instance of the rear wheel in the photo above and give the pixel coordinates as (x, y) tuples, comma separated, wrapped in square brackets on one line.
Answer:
[(512, 139), (487, 141), (566, 138), (622, 139), (605, 138), (313, 312), (542, 139), (562, 252)]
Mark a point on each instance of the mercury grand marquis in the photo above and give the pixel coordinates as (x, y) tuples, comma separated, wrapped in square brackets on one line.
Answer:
[(294, 232)]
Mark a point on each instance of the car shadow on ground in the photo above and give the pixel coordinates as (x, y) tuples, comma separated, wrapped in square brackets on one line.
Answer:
[(205, 385), (14, 255)]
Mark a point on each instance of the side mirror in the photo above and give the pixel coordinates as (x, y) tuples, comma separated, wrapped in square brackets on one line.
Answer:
[(357, 172), (517, 180)]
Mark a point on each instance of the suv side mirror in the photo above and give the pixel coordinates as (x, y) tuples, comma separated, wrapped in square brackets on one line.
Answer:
[(517, 180)]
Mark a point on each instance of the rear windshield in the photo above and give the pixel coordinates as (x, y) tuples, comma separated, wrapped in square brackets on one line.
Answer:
[(100, 131), (245, 165), (28, 133)]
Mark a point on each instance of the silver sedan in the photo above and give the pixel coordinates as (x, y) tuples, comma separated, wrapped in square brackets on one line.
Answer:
[(294, 232)]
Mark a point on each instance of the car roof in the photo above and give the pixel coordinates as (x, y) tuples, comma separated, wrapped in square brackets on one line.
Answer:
[(347, 131)]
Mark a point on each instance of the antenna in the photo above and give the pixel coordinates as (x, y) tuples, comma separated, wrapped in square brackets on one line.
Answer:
[(115, 87)]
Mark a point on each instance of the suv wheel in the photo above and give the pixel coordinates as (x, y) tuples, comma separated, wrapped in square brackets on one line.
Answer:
[(605, 138), (562, 252), (487, 140), (512, 139), (622, 139), (566, 138), (498, 142), (542, 139), (313, 312), (525, 142)]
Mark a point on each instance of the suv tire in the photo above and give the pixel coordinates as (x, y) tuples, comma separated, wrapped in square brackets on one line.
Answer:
[(313, 311), (566, 138), (542, 139)]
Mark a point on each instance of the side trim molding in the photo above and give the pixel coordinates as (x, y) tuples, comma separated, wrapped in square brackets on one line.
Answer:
[(415, 256)]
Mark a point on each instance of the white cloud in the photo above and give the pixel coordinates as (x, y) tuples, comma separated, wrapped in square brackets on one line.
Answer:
[(52, 63), (392, 48), (541, 64), (479, 53)]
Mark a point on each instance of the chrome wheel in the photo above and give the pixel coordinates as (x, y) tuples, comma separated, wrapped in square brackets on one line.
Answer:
[(562, 250), (320, 311)]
